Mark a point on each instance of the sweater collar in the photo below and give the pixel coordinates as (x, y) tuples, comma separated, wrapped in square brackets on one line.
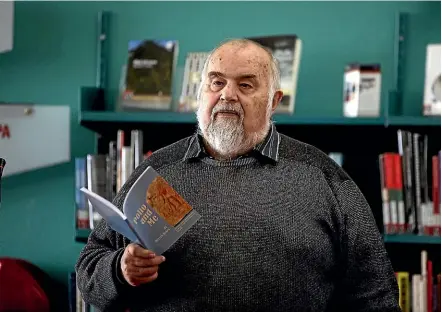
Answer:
[(267, 149)]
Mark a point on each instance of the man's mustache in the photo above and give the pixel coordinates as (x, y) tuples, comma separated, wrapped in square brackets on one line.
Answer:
[(231, 108)]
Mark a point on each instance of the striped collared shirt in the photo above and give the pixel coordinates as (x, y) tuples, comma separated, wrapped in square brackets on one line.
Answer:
[(269, 148)]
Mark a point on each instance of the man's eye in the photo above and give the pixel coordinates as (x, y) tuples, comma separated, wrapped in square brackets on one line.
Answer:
[(217, 83), (245, 85)]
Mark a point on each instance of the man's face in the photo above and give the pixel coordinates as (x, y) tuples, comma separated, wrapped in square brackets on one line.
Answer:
[(235, 106)]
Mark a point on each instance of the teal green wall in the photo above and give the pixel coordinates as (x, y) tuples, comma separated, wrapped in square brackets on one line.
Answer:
[(54, 54)]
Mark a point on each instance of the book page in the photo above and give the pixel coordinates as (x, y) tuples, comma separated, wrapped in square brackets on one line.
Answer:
[(113, 216), (158, 214)]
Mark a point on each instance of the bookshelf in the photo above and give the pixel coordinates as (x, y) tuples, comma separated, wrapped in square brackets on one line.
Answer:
[(95, 119), (411, 239), (414, 121), (360, 140), (81, 235), (331, 134), (185, 117), (89, 117), (375, 136)]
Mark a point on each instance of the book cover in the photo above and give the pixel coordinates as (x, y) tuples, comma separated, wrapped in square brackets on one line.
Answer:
[(191, 81), (82, 210), (287, 50), (403, 279), (153, 214), (148, 75), (362, 90), (432, 83), (96, 174)]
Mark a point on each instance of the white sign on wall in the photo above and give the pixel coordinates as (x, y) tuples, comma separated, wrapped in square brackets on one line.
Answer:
[(33, 136), (6, 26)]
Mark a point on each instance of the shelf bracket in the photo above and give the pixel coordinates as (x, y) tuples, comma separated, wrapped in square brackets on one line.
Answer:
[(102, 49), (399, 64), (99, 102)]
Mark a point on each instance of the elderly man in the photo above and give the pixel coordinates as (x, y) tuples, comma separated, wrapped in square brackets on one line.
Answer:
[(283, 227)]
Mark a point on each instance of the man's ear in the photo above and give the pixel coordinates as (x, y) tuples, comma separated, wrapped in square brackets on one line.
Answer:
[(276, 99)]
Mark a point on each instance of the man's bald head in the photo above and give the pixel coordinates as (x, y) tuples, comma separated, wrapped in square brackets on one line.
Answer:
[(273, 66)]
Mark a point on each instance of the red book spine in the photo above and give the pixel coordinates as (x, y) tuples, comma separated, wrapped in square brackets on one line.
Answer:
[(398, 186), (429, 286), (435, 170), (390, 185)]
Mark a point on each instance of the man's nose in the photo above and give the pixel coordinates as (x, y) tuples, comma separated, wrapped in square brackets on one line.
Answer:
[(229, 93)]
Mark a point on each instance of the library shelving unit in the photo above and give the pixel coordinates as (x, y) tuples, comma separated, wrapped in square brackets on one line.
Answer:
[(411, 239), (360, 140), (82, 235)]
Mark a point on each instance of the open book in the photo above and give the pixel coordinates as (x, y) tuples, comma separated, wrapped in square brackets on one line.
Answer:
[(153, 214)]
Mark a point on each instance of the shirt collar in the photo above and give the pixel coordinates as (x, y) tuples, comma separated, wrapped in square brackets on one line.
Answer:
[(269, 148)]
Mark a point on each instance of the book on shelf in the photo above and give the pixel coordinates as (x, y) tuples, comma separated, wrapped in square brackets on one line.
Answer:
[(362, 90), (153, 214), (419, 291), (287, 49), (432, 81), (148, 75), (96, 181), (410, 190), (75, 299), (193, 69), (105, 174), (337, 157), (81, 208)]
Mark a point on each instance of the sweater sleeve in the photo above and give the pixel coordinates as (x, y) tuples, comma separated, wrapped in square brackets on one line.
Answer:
[(99, 277), (369, 282)]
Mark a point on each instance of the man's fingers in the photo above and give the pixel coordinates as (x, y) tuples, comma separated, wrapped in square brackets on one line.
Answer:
[(139, 265), (142, 272), (142, 280), (143, 262), (136, 250)]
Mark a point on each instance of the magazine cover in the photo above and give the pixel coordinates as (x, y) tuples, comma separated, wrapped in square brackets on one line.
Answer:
[(153, 213), (149, 74), (287, 50)]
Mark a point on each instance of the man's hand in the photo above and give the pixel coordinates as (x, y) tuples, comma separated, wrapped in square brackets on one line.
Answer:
[(139, 265)]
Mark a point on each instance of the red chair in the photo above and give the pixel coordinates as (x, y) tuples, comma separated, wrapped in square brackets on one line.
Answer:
[(22, 287)]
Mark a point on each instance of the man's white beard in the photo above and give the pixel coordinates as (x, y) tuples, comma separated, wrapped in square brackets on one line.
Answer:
[(227, 136)]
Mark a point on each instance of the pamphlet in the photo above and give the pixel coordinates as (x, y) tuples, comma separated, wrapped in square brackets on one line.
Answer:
[(153, 214)]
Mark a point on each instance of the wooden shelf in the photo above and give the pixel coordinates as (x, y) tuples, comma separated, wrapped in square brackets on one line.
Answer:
[(137, 117), (82, 235), (177, 117), (91, 118), (338, 121), (411, 239), (414, 120)]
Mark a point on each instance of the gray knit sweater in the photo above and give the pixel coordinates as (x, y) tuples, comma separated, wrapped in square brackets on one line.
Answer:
[(294, 234)]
